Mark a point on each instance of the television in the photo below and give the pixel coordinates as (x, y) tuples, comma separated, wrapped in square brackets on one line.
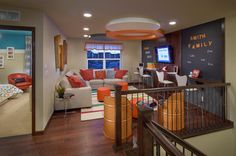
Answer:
[(164, 54)]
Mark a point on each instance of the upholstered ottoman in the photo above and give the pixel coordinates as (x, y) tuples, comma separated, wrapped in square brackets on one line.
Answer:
[(102, 92), (124, 85)]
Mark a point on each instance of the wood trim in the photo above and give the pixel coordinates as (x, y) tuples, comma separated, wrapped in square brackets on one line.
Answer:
[(98, 42), (164, 89), (32, 29), (147, 34), (223, 49), (39, 133)]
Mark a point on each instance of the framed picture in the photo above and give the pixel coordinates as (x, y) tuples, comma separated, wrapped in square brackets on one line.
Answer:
[(10, 53), (65, 51), (1, 61), (62, 64), (57, 42)]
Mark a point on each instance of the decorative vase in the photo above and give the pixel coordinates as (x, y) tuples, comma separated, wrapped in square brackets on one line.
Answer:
[(61, 95)]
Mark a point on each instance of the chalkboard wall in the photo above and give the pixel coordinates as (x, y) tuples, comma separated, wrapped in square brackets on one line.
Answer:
[(200, 47), (148, 51), (203, 48)]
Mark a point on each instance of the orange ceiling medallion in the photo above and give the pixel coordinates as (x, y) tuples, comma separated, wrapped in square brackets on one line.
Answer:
[(133, 28)]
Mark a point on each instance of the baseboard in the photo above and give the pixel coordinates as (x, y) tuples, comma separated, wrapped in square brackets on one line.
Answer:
[(41, 132), (38, 132)]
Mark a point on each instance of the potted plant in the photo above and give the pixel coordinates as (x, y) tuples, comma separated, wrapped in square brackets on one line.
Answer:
[(60, 90)]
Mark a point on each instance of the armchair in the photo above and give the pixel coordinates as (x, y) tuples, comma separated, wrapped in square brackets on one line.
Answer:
[(20, 80)]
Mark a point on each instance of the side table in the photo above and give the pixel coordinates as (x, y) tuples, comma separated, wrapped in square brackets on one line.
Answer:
[(66, 100)]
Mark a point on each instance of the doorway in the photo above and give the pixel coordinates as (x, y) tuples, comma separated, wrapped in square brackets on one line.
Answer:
[(17, 80)]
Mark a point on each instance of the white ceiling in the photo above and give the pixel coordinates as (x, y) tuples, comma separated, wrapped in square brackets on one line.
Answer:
[(68, 14)]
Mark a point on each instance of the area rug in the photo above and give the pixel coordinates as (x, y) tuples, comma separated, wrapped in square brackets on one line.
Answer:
[(94, 112), (97, 109)]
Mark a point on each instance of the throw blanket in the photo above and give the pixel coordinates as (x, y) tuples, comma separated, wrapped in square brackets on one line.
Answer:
[(8, 90)]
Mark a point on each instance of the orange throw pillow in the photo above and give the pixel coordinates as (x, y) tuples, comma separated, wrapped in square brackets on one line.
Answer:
[(120, 73), (101, 74), (75, 81), (87, 74)]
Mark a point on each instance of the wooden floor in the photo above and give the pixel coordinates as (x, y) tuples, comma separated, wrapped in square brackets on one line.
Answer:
[(63, 137)]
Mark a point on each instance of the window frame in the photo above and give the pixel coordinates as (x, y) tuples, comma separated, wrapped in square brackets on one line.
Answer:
[(104, 59)]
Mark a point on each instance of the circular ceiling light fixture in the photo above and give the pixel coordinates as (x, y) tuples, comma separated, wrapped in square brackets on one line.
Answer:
[(86, 29), (133, 28), (172, 23), (86, 36), (87, 14)]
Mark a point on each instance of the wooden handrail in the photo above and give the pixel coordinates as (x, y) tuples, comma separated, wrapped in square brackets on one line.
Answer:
[(178, 88), (163, 137), (180, 141), (162, 140), (148, 130)]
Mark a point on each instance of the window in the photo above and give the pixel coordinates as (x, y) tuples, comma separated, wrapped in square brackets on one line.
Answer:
[(103, 56)]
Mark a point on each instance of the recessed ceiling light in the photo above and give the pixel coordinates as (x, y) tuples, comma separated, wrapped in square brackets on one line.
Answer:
[(86, 36), (86, 14), (86, 29), (172, 23)]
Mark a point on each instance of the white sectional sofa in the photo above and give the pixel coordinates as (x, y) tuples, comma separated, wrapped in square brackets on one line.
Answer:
[(82, 96), (106, 82), (95, 83)]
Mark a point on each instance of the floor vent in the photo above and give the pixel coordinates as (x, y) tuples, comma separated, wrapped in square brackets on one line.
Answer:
[(9, 15)]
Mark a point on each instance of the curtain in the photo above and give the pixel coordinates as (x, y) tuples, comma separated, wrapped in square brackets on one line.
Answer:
[(28, 55), (102, 46)]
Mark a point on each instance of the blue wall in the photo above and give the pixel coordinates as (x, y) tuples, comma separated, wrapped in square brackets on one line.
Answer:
[(13, 38)]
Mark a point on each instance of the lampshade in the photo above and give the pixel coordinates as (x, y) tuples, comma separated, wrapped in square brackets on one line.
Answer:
[(133, 28)]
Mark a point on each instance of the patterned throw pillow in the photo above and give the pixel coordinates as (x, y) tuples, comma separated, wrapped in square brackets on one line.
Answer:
[(87, 74), (100, 74), (111, 74), (120, 73), (8, 90), (75, 81)]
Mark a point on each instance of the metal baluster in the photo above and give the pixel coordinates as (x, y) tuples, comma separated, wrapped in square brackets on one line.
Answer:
[(181, 108), (126, 109), (167, 116), (214, 105), (224, 107), (176, 108), (198, 106), (203, 105), (158, 150), (194, 104), (172, 113)]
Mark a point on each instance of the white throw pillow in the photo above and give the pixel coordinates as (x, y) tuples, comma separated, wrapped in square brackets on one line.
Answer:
[(65, 83)]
